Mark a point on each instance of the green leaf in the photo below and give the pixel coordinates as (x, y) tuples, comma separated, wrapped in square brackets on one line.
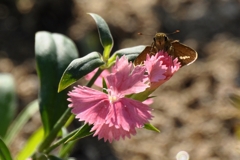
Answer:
[(4, 151), (31, 145), (104, 35), (66, 52), (53, 54), (20, 121), (151, 127), (39, 156), (131, 53), (52, 157), (7, 102), (235, 100), (84, 131), (79, 68)]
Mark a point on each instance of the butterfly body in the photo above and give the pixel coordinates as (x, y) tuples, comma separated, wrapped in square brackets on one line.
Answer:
[(185, 54)]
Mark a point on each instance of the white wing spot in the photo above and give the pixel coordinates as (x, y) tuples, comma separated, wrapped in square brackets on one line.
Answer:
[(184, 57)]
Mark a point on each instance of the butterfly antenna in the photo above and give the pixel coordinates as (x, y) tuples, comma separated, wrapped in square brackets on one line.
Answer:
[(141, 34), (177, 31)]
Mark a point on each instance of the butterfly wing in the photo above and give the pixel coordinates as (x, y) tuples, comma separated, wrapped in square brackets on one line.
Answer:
[(142, 56), (185, 54)]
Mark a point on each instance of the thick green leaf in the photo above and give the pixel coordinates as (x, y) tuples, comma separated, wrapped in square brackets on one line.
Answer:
[(66, 52), (53, 54), (79, 68), (131, 53), (4, 151), (7, 102), (151, 127), (31, 145), (46, 57), (22, 118), (84, 131), (104, 34)]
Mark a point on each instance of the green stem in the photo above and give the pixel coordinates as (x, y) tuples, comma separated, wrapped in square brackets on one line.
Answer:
[(60, 141), (57, 127), (97, 74), (141, 96), (65, 151)]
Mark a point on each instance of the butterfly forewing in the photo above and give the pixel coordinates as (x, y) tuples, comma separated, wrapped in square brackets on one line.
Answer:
[(185, 54), (142, 56)]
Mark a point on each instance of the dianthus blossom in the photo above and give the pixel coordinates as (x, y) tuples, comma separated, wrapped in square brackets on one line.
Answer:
[(113, 115), (160, 68)]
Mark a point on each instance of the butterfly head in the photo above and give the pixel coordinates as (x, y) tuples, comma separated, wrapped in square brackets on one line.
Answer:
[(160, 39)]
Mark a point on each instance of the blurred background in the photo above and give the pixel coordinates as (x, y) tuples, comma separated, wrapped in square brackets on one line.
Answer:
[(192, 109)]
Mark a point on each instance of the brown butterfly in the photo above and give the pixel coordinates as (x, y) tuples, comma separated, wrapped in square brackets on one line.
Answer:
[(185, 54)]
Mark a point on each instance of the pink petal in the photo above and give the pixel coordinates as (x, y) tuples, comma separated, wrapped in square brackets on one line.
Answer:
[(174, 68), (124, 116), (134, 113), (111, 133), (148, 101), (122, 64), (89, 105), (155, 68), (126, 79), (128, 113), (161, 66)]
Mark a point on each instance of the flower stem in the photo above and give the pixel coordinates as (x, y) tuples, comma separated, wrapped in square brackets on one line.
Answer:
[(52, 135), (66, 150), (97, 74), (71, 137), (60, 141), (141, 96)]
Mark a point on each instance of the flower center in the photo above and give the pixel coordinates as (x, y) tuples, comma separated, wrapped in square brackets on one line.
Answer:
[(112, 98)]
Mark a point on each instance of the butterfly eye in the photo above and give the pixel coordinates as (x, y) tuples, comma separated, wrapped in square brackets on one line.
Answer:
[(165, 38)]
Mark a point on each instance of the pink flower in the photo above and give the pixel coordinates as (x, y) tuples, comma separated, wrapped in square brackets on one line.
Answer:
[(160, 68), (98, 81), (113, 115), (148, 101)]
